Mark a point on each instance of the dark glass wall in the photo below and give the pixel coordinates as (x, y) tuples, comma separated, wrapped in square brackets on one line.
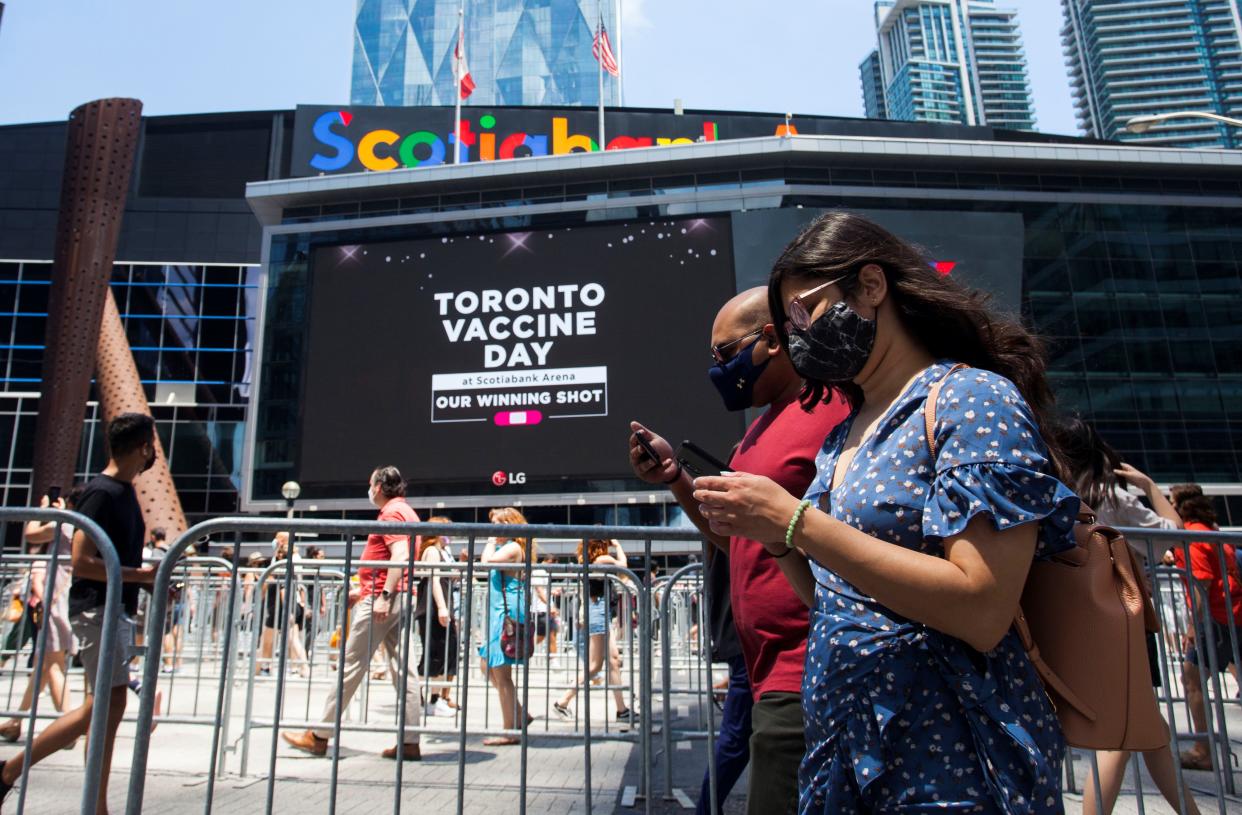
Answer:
[(190, 329)]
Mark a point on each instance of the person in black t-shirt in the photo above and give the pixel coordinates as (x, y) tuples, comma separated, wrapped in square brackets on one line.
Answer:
[(109, 500)]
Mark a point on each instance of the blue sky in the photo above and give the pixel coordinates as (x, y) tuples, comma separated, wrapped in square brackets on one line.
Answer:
[(180, 56)]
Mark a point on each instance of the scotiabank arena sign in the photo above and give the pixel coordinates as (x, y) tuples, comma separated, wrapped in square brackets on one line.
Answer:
[(356, 139)]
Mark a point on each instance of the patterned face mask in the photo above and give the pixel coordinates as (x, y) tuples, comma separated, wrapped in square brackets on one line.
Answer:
[(834, 348)]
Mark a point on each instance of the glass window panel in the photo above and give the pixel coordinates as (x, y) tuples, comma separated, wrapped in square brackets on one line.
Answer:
[(33, 297), (8, 298), (1209, 247), (1149, 356), (1112, 398), (1156, 400), (28, 330), (1127, 246), (1047, 276), (1054, 316), (1208, 436), (1213, 465), (1133, 276), (1071, 394), (1192, 357), (1125, 437), (1219, 278), (1200, 398), (192, 450), (1085, 245), (1091, 275)]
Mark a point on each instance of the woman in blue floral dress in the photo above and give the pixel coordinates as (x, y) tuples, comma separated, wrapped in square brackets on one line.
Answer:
[(917, 696)]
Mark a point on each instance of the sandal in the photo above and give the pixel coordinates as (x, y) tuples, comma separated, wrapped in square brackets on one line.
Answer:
[(500, 741), (1192, 761), (11, 731)]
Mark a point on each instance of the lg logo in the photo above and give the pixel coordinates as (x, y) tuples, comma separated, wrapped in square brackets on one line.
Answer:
[(500, 478)]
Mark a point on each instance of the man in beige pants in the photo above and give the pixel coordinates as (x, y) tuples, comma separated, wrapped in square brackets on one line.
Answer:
[(376, 620)]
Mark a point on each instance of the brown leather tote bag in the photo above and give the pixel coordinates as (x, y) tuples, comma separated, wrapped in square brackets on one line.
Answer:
[(1083, 620)]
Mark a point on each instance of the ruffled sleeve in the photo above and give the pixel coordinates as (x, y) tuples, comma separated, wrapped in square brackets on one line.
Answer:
[(991, 460)]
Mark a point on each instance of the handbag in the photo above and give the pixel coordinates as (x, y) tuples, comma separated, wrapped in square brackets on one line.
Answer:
[(517, 640), (1082, 620), (14, 613)]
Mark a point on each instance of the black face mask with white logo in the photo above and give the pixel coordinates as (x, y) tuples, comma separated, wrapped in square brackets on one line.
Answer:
[(834, 348)]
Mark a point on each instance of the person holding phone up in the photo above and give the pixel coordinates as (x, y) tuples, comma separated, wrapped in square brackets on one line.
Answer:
[(914, 542), (751, 369)]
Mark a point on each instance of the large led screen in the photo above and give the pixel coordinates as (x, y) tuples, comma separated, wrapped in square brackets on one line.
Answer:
[(511, 362)]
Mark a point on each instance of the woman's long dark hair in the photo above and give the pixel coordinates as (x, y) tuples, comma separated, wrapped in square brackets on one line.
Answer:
[(949, 320), (1091, 462)]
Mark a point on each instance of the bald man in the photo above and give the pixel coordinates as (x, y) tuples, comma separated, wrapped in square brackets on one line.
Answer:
[(762, 721)]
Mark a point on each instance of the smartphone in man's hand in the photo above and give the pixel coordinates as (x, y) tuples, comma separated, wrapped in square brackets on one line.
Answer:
[(645, 443), (698, 462)]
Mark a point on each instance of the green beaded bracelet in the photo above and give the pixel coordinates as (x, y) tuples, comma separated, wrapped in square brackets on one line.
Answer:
[(797, 516)]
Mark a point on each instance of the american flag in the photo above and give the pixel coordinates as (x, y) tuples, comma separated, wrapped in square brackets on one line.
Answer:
[(601, 49)]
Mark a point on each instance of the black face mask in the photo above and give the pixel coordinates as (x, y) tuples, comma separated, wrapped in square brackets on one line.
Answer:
[(834, 348)]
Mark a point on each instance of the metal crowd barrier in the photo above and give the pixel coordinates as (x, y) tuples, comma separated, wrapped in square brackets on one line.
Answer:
[(107, 646), (221, 608), (292, 577), (1182, 604)]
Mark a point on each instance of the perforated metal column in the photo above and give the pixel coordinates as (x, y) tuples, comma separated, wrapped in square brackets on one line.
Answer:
[(99, 161), (120, 391)]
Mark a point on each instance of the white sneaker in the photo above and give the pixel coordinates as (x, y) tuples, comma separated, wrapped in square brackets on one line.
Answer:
[(441, 708), (429, 709)]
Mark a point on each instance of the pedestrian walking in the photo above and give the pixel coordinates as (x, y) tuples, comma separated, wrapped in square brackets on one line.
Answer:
[(751, 369), (1101, 479), (109, 500), (436, 622), (598, 646), (917, 692), (508, 597), (50, 592), (377, 621)]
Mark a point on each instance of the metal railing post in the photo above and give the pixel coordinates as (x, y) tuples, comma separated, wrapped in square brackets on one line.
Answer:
[(107, 641), (222, 692)]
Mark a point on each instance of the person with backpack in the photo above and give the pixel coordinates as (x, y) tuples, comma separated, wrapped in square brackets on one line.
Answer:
[(1101, 479), (918, 695), (1210, 629)]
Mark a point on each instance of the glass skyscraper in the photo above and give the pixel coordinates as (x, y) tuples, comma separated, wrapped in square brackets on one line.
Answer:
[(948, 61), (519, 52), (1132, 58)]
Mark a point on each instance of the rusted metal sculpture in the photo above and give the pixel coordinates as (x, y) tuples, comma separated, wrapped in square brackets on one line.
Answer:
[(120, 391), (99, 162), (84, 331)]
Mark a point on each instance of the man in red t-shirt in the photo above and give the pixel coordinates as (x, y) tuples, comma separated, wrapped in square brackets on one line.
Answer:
[(752, 370), (375, 621), (1210, 631)]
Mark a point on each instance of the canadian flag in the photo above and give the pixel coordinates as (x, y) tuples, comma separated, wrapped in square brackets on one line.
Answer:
[(465, 83)]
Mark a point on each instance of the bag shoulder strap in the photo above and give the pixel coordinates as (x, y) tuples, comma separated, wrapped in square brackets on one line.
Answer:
[(1045, 672), (929, 409)]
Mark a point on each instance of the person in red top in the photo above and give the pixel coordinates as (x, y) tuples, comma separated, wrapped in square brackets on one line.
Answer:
[(753, 370), (1207, 634), (376, 620)]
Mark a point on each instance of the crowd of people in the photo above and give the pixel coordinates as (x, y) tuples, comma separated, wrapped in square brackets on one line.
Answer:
[(866, 562)]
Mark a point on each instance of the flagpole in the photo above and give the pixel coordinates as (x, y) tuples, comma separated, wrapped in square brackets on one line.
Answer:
[(599, 59), (461, 36)]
